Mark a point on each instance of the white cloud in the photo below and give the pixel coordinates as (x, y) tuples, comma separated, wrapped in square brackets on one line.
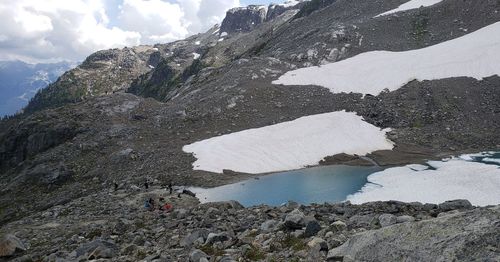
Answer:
[(50, 30)]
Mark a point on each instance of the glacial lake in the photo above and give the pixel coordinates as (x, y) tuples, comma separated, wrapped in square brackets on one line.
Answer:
[(310, 185)]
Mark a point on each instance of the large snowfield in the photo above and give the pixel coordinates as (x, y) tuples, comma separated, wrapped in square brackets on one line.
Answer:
[(289, 145), (454, 179), (413, 4), (474, 55)]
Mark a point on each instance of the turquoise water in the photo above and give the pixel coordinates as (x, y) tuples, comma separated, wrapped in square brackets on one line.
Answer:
[(305, 186), (311, 185)]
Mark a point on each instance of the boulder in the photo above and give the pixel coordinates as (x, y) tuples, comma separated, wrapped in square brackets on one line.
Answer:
[(101, 252), (404, 219), (269, 225), (363, 221), (455, 204), (198, 256), (295, 220), (318, 242), (387, 220), (9, 245), (193, 236), (312, 228), (465, 236), (338, 226), (214, 237)]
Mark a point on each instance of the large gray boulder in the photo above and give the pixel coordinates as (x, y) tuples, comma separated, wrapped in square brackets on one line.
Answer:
[(295, 219), (387, 220), (201, 234), (455, 204), (312, 227), (466, 236)]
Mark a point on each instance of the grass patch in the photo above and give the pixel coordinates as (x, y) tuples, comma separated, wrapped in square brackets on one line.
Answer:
[(294, 243), (255, 254), (210, 250)]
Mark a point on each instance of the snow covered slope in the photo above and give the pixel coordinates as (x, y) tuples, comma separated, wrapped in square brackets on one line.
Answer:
[(289, 145), (413, 4), (455, 179), (474, 55)]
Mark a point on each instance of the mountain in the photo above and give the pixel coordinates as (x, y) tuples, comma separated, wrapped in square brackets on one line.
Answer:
[(20, 81), (321, 82)]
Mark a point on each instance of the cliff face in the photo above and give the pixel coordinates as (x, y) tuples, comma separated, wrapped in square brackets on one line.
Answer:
[(246, 19), (243, 19)]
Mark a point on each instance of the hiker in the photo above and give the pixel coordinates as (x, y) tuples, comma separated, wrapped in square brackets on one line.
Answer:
[(149, 204), (146, 185), (170, 187), (167, 207)]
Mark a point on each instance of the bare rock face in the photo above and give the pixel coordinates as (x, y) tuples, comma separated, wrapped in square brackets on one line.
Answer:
[(464, 236), (275, 10), (102, 73), (243, 19)]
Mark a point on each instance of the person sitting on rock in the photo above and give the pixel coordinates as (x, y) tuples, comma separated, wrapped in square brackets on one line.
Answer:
[(167, 207), (149, 204)]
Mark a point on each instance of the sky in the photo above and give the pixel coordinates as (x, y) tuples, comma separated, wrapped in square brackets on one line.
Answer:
[(54, 30)]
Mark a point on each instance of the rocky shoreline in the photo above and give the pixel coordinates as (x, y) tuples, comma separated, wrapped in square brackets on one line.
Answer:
[(114, 226)]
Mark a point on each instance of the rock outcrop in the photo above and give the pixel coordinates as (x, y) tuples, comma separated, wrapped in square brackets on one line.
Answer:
[(243, 19), (463, 236)]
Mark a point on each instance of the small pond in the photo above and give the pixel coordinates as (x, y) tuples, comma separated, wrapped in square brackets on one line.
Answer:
[(310, 185)]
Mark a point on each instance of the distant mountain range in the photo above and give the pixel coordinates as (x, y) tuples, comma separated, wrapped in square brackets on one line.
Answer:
[(20, 81)]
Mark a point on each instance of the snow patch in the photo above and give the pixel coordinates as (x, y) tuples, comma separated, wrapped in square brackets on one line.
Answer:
[(197, 43), (292, 3), (413, 4), (474, 55), (223, 34), (196, 56), (453, 179), (472, 157), (289, 145)]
